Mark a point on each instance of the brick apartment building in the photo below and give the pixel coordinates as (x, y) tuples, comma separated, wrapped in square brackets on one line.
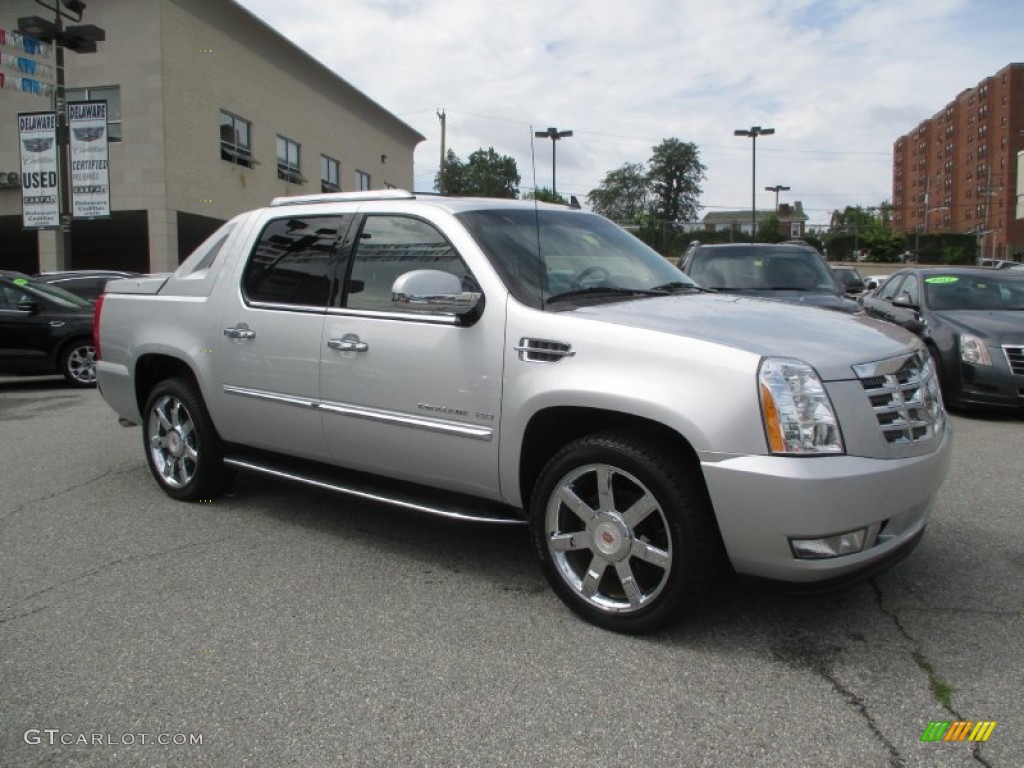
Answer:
[(210, 112), (962, 170)]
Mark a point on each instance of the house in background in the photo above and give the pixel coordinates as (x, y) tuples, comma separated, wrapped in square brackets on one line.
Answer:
[(792, 220)]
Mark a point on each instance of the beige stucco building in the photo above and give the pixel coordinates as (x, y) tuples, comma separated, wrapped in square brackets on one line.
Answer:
[(210, 112)]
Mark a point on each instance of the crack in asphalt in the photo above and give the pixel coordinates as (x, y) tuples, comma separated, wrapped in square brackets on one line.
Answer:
[(113, 470), (926, 666), (804, 653), (98, 569)]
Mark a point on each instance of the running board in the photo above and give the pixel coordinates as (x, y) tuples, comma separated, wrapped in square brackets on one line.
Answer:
[(404, 495)]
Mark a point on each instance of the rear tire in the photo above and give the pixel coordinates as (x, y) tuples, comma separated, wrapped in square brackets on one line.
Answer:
[(624, 531), (182, 447)]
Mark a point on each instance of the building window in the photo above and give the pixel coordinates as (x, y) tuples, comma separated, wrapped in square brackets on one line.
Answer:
[(235, 139), (288, 167), (110, 94), (329, 174), (362, 180)]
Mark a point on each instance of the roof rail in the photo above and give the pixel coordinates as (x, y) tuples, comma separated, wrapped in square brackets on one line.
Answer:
[(344, 197)]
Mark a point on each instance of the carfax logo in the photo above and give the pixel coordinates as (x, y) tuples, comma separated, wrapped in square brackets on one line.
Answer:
[(958, 730)]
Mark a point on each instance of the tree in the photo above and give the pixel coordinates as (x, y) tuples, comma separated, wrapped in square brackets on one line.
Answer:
[(545, 195), (768, 230), (622, 195), (674, 177), (484, 174)]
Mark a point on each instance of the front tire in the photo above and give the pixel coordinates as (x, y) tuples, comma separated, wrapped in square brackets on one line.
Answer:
[(183, 449), (78, 363), (624, 531)]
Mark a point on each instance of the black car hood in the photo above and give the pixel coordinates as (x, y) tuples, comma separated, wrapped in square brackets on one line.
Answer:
[(997, 325)]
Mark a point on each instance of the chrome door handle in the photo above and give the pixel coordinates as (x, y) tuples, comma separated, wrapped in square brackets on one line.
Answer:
[(240, 332), (349, 343)]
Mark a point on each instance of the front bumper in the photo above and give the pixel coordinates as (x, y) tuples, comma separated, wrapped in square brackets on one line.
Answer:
[(762, 502), (987, 386)]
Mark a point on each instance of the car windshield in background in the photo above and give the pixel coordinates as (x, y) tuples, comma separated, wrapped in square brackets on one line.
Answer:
[(998, 291), (546, 255), (750, 268), (55, 294)]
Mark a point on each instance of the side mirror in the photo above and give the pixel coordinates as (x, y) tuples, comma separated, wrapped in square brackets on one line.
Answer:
[(432, 290), (903, 300), (855, 286), (28, 306)]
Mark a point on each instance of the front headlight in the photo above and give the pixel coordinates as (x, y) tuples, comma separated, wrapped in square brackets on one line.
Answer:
[(797, 413), (973, 350)]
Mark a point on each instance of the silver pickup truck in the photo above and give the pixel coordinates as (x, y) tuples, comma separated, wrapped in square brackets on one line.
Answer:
[(516, 362)]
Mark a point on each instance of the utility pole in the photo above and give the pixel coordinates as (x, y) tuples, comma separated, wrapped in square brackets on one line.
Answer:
[(776, 189), (555, 135), (440, 174), (753, 133)]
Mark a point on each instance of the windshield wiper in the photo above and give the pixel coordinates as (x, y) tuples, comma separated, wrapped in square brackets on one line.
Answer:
[(603, 290), (677, 286)]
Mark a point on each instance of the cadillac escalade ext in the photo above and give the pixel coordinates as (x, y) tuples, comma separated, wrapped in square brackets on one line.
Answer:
[(517, 362)]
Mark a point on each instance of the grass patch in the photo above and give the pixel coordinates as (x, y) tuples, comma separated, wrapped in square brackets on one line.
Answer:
[(941, 690)]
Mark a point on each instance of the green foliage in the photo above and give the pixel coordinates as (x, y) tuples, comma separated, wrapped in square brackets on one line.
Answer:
[(545, 195), (622, 195), (674, 176), (768, 230), (656, 198), (484, 174)]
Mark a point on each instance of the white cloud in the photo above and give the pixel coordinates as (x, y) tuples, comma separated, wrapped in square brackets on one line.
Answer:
[(839, 80)]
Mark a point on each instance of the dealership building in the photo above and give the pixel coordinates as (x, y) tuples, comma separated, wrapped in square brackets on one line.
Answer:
[(210, 112)]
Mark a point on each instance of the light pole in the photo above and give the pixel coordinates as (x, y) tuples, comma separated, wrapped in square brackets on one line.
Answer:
[(80, 39), (776, 189), (753, 133), (554, 134)]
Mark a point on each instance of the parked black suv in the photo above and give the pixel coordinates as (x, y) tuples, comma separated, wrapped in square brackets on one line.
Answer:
[(44, 329), (790, 272)]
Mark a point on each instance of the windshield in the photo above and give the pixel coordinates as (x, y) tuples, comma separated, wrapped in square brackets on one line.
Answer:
[(753, 268), (985, 292), (580, 254)]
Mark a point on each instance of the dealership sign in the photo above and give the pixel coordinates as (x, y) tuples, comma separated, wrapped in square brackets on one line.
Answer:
[(40, 193), (90, 173)]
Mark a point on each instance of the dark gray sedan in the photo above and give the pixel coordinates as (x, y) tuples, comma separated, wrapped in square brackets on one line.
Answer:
[(972, 320)]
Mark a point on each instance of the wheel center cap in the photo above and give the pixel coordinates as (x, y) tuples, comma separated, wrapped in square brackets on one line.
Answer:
[(175, 444), (611, 538)]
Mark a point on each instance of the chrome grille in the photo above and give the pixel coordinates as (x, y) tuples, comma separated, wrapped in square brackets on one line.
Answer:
[(904, 395), (1015, 357)]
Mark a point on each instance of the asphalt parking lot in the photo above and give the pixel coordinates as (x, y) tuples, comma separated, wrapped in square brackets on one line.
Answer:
[(281, 626)]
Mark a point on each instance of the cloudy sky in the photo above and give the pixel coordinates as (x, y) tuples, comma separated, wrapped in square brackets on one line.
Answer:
[(838, 80)]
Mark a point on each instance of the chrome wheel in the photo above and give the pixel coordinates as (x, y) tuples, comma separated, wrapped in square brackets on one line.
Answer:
[(609, 538), (80, 365), (173, 445)]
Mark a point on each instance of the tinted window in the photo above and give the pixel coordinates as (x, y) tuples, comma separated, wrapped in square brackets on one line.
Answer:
[(761, 269), (979, 292), (891, 287), (389, 246), (295, 260)]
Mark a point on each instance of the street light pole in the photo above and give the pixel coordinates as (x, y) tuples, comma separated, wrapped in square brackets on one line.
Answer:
[(776, 189), (554, 134), (753, 132)]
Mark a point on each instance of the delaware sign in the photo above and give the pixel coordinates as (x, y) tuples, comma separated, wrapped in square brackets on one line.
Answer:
[(90, 172), (40, 191)]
